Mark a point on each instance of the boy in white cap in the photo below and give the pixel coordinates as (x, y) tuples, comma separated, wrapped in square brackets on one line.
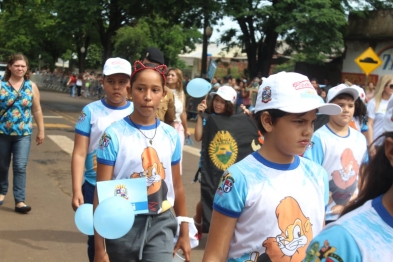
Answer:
[(93, 120), (340, 150), (270, 205)]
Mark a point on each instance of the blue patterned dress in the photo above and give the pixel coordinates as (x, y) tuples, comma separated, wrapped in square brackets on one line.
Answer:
[(17, 121)]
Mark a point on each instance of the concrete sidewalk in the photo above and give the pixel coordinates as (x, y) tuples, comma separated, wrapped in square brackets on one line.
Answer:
[(48, 232)]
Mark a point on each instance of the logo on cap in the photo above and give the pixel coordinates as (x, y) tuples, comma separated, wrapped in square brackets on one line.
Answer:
[(302, 84), (266, 94)]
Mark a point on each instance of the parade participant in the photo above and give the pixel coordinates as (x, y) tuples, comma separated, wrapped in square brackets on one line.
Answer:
[(140, 145), (222, 103), (19, 101), (166, 109), (271, 204), (365, 229), (175, 83), (93, 120), (340, 150), (376, 109)]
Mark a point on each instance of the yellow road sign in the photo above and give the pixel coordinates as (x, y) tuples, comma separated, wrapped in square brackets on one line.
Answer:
[(368, 61)]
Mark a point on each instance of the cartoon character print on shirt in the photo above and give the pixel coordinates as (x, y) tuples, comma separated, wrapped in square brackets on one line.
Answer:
[(325, 254), (154, 172), (296, 233), (344, 182)]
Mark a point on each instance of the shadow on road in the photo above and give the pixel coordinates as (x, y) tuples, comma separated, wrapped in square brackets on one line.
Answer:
[(32, 238)]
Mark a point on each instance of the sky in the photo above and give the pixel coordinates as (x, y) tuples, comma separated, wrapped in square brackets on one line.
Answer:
[(227, 24)]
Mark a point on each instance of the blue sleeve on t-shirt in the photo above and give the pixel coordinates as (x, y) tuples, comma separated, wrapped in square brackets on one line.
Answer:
[(315, 151), (107, 148), (177, 153), (334, 243), (83, 126), (231, 193)]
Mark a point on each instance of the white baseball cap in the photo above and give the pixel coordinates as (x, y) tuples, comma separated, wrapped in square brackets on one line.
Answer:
[(117, 65), (362, 94), (341, 89), (226, 92), (293, 93)]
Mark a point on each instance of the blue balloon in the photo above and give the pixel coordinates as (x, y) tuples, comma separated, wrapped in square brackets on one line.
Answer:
[(84, 219), (114, 217), (198, 87)]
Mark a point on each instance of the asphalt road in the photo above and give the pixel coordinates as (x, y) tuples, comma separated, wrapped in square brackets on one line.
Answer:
[(48, 232)]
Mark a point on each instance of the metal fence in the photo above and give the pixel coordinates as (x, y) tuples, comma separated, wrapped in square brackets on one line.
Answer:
[(58, 82), (93, 90)]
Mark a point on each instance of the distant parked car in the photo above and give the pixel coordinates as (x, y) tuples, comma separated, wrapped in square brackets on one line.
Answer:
[(3, 66)]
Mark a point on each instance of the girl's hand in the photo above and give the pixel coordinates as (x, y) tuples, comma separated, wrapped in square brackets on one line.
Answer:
[(372, 151), (40, 138), (183, 243), (101, 257), (245, 110), (187, 133), (202, 106)]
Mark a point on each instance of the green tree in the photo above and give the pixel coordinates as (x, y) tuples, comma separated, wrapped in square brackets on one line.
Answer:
[(131, 41), (31, 29), (311, 27)]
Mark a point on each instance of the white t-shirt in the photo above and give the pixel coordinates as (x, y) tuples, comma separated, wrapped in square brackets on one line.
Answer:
[(93, 120), (130, 152), (279, 207), (378, 117), (179, 105), (341, 157), (79, 82), (363, 235)]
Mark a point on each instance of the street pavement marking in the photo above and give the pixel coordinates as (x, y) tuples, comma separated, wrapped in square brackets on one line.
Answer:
[(192, 150), (191, 130), (53, 117), (55, 126), (65, 143)]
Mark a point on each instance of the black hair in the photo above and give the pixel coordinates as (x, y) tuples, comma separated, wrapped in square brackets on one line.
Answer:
[(229, 107), (376, 178), (342, 96), (314, 79), (360, 110), (275, 114)]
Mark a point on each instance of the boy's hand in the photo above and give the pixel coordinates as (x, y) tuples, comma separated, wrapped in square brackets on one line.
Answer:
[(202, 106), (77, 200)]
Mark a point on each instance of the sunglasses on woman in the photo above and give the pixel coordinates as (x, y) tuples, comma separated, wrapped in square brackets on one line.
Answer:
[(390, 86)]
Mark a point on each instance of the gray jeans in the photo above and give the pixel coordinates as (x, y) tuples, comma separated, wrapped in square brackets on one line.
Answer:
[(150, 239)]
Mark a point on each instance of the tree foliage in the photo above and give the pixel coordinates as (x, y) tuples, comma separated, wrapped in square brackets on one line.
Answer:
[(131, 41)]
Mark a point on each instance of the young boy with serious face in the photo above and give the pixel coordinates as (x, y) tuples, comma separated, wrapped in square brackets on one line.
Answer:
[(340, 150), (93, 120), (270, 205)]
